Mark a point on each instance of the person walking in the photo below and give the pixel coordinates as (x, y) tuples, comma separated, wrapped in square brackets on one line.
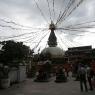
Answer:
[(82, 78), (90, 74)]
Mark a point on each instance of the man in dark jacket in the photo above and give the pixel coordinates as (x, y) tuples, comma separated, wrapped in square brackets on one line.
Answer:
[(82, 78), (90, 74)]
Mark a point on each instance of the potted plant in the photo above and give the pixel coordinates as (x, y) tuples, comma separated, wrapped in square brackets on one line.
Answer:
[(4, 81), (1, 73)]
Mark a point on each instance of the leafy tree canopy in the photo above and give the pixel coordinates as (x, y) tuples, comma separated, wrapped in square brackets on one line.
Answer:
[(13, 51)]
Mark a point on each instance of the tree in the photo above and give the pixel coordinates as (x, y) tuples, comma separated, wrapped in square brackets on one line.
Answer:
[(13, 51)]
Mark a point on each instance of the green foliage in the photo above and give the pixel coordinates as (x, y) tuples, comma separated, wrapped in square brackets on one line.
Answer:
[(12, 51)]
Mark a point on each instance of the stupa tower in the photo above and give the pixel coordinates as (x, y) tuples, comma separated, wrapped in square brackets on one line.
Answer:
[(52, 40)]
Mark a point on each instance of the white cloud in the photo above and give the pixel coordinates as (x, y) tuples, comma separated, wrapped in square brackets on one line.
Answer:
[(25, 12)]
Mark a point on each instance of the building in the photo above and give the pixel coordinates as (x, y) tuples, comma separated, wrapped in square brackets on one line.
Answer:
[(77, 54), (83, 54)]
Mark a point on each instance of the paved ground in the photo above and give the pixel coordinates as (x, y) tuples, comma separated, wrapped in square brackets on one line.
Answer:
[(50, 88)]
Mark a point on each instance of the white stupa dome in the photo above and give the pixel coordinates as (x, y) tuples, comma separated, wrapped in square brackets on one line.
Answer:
[(55, 52)]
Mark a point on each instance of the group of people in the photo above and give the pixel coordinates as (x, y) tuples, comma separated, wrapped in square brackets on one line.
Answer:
[(86, 74)]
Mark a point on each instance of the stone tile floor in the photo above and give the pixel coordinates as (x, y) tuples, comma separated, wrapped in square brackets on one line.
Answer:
[(50, 88)]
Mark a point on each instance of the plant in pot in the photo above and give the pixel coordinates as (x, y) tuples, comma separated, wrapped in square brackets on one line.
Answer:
[(4, 81), (1, 73)]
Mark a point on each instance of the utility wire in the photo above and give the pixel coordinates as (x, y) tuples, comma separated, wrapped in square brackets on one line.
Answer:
[(60, 14), (41, 40), (77, 34), (49, 9), (33, 38), (71, 34), (62, 42), (58, 17), (76, 6), (41, 11), (59, 40), (15, 36), (30, 38), (14, 23), (23, 38), (66, 42), (70, 4), (83, 27), (71, 29), (53, 9), (79, 24), (13, 28), (18, 35), (65, 11), (69, 13), (37, 37)]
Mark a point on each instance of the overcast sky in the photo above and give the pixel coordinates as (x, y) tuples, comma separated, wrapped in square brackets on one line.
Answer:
[(26, 13)]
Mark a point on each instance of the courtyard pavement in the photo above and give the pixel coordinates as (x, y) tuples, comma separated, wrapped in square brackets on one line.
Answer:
[(29, 87)]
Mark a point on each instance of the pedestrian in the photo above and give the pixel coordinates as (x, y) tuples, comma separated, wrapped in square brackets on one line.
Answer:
[(82, 78), (90, 74), (67, 72), (93, 82)]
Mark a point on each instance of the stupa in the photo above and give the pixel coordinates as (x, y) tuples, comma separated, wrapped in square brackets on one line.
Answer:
[(53, 50)]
